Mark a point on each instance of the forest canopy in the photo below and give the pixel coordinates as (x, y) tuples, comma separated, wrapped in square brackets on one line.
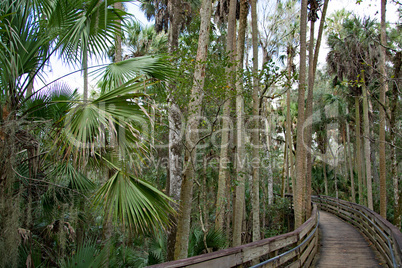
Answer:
[(195, 131)]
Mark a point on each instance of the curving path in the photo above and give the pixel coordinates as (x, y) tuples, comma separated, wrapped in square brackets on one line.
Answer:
[(342, 245)]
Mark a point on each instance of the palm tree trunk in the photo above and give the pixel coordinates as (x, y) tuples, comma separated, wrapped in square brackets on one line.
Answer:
[(285, 167), (290, 54), (309, 112), (383, 90), (349, 153), (300, 152), (175, 126), (255, 139), (118, 54), (324, 159), (392, 123), (270, 178), (366, 135), (183, 224), (85, 75), (358, 151), (313, 59), (240, 168), (223, 168)]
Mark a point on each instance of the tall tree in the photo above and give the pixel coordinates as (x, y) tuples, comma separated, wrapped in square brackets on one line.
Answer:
[(351, 51), (224, 148), (300, 150), (366, 134), (183, 225), (313, 59), (175, 128), (394, 113), (383, 90), (255, 136), (238, 207)]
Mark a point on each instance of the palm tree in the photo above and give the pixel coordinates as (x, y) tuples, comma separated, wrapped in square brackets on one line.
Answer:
[(300, 153), (383, 90), (186, 196), (47, 136), (90, 28), (144, 40), (353, 51)]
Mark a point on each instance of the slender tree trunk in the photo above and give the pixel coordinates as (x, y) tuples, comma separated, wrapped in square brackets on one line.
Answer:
[(285, 167), (223, 167), (363, 172), (308, 120), (366, 134), (183, 226), (313, 59), (393, 127), (383, 90), (255, 136), (358, 151), (300, 152), (324, 159), (175, 135), (270, 179), (118, 52), (349, 153), (85, 75), (241, 156), (290, 54)]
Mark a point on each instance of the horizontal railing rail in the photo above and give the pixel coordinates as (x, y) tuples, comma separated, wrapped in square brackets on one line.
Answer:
[(302, 243), (276, 261), (385, 236)]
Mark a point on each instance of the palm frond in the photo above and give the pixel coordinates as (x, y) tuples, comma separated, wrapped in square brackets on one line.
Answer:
[(88, 255), (119, 111), (135, 203), (125, 71)]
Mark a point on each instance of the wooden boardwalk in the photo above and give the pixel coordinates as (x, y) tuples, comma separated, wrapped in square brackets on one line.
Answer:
[(342, 245)]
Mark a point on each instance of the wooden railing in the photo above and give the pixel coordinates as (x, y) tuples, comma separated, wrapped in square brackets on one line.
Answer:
[(294, 249), (385, 236)]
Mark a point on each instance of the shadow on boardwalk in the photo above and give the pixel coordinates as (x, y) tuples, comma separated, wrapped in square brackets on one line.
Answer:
[(342, 245)]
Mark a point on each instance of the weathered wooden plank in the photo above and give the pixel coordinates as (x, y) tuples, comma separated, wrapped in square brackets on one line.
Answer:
[(307, 252), (343, 245), (295, 264), (353, 213), (281, 260)]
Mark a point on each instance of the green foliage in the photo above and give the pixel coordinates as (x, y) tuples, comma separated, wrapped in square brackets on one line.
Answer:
[(200, 241), (88, 255), (134, 202), (279, 218)]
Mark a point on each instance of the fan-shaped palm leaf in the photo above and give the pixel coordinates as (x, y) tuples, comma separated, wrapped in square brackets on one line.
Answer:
[(88, 255), (134, 202), (122, 72)]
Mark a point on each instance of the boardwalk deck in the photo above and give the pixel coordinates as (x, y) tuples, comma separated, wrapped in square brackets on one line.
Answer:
[(344, 245)]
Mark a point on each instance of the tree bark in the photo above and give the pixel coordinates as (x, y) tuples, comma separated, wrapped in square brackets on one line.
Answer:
[(223, 167), (240, 160), (393, 127), (290, 55), (366, 134), (255, 136), (358, 151), (383, 90), (85, 74), (175, 128), (313, 59), (350, 163), (300, 152), (194, 112)]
